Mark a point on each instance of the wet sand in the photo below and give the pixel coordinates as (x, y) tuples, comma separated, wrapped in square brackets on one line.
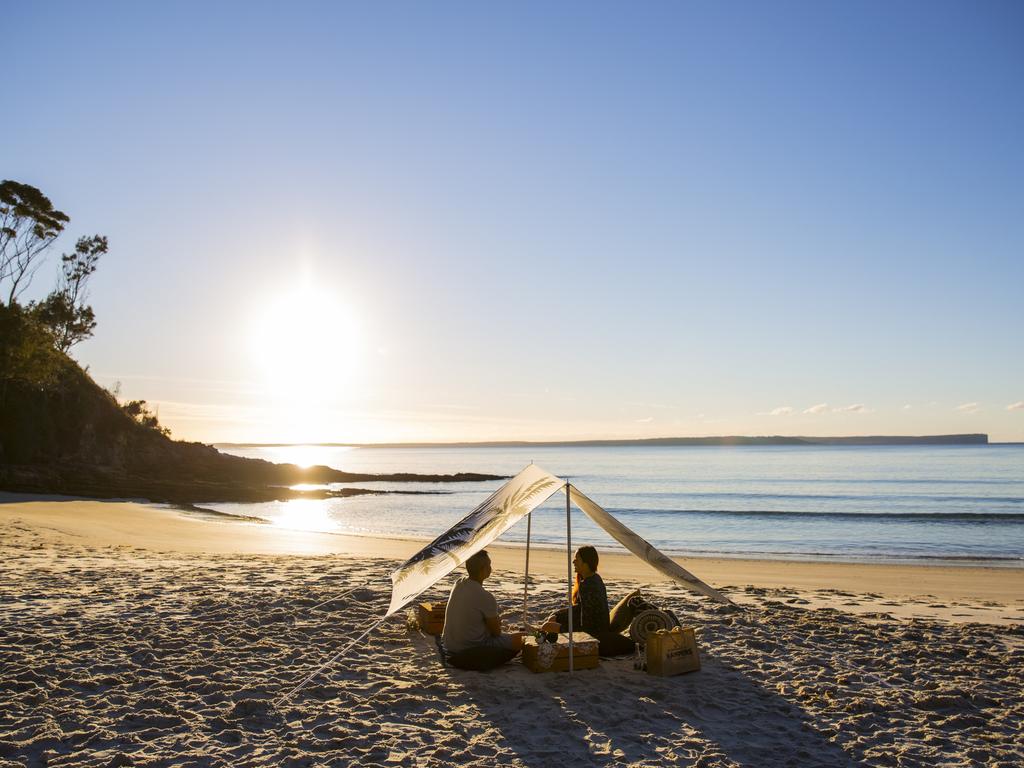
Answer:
[(134, 635)]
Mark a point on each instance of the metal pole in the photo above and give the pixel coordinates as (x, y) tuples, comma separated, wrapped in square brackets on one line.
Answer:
[(526, 576), (568, 557)]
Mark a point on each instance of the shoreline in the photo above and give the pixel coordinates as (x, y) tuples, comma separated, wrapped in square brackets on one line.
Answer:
[(616, 550), (156, 528), (609, 549)]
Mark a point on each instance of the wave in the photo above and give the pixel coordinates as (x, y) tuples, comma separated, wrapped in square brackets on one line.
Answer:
[(858, 556), (1016, 518), (814, 481), (829, 496), (197, 511), (902, 481)]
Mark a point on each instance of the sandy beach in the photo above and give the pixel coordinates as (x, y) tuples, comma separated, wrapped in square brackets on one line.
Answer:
[(147, 636)]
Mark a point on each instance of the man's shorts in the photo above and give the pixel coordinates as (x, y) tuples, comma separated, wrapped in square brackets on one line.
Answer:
[(502, 641)]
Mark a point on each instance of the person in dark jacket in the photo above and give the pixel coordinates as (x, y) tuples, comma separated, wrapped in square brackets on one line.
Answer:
[(589, 598)]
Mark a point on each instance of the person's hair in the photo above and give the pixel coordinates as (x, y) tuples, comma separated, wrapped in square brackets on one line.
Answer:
[(476, 563), (589, 556)]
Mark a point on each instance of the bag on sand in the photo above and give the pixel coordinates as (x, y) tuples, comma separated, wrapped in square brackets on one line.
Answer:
[(672, 652), (640, 616)]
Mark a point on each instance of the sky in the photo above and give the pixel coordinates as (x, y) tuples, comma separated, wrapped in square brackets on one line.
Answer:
[(457, 221)]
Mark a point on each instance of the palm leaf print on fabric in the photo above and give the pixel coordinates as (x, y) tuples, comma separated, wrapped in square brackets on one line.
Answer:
[(495, 515), (471, 529), (422, 561), (514, 505)]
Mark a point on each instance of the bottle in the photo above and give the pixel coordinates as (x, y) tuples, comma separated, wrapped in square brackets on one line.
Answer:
[(640, 659)]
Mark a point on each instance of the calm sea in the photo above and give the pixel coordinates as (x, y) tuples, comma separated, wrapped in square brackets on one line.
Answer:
[(904, 503)]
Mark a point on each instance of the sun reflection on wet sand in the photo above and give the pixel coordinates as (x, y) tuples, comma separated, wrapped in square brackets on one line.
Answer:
[(304, 515)]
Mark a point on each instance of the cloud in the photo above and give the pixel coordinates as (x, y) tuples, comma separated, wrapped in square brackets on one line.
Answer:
[(1018, 406), (907, 407), (782, 410), (170, 410), (968, 408), (855, 408), (648, 420), (819, 408)]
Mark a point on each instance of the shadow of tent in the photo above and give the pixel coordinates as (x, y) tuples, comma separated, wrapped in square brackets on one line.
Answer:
[(618, 715)]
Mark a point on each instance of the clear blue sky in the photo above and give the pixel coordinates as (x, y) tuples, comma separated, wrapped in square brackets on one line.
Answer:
[(457, 221)]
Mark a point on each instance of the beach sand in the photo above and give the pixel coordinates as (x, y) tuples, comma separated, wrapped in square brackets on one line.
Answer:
[(145, 636)]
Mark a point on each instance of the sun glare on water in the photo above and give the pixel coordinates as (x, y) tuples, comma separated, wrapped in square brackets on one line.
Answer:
[(304, 456)]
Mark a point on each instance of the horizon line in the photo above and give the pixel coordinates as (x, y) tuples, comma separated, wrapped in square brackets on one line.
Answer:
[(971, 438)]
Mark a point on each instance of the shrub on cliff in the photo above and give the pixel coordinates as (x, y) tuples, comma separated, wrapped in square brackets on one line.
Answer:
[(27, 353)]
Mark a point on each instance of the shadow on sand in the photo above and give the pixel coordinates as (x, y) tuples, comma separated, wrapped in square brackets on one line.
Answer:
[(617, 715)]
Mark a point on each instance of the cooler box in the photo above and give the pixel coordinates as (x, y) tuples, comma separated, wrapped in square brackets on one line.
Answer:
[(540, 659), (430, 617)]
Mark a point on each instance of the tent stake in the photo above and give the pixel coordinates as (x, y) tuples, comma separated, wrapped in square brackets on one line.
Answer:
[(568, 558), (526, 576)]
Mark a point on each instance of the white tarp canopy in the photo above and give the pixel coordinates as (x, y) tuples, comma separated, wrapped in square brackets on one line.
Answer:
[(503, 509), (643, 549)]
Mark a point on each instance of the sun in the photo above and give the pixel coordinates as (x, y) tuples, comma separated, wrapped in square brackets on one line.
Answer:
[(305, 345)]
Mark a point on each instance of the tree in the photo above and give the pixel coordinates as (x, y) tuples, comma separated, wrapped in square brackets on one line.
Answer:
[(27, 355), (64, 311), (139, 411), (28, 226), (66, 323)]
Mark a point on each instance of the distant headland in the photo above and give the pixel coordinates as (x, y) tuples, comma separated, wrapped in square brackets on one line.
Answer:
[(726, 440)]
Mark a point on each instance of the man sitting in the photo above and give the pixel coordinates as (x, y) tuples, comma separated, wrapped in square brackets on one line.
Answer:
[(471, 620)]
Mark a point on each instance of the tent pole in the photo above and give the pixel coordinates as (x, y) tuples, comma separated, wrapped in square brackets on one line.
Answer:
[(526, 575), (568, 562)]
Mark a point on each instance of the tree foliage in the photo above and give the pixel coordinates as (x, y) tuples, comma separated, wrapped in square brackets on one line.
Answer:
[(27, 354), (66, 323), (28, 226), (64, 311), (140, 413), (34, 340)]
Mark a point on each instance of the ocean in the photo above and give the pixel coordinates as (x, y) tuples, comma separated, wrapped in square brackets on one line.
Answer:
[(920, 504)]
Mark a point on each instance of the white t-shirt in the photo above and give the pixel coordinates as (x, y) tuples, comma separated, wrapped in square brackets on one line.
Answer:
[(468, 605)]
